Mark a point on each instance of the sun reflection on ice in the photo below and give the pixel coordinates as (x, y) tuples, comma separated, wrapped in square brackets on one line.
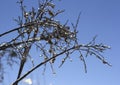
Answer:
[(28, 81)]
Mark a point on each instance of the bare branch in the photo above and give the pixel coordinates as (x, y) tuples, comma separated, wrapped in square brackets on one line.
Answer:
[(39, 28)]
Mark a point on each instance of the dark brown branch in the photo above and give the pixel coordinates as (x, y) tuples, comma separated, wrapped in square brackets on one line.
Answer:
[(10, 31), (16, 29)]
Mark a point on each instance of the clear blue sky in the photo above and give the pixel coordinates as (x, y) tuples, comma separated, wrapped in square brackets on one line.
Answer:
[(99, 17)]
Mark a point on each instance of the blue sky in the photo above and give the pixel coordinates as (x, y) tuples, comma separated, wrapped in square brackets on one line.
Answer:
[(99, 17)]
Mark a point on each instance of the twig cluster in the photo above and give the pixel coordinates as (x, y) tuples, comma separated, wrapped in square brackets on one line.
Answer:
[(39, 28)]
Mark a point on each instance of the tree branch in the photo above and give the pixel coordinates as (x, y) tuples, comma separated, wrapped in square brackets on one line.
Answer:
[(42, 63)]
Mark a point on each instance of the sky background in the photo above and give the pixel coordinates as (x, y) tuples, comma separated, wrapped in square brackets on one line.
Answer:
[(99, 17)]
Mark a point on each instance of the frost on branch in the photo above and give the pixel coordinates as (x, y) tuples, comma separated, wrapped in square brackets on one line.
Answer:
[(38, 28)]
